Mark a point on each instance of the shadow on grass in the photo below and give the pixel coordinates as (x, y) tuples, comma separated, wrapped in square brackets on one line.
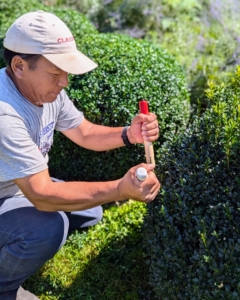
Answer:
[(119, 272)]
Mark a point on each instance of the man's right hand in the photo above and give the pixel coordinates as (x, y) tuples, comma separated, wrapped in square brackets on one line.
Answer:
[(130, 187)]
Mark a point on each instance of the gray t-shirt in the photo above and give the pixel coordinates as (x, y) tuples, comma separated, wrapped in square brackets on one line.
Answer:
[(26, 133)]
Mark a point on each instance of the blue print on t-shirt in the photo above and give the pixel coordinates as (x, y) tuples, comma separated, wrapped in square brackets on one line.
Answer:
[(46, 138)]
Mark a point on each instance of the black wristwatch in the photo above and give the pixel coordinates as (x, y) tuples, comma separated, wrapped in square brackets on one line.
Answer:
[(125, 137)]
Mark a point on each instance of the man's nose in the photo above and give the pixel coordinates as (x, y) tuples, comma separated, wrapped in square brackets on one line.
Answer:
[(63, 81)]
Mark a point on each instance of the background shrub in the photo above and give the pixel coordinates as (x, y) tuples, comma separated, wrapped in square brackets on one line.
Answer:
[(203, 35), (192, 230), (128, 71)]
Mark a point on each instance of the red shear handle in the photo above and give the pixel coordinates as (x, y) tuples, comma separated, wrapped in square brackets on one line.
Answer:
[(143, 107)]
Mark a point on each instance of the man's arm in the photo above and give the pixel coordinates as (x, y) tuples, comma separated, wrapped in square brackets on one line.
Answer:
[(102, 138), (47, 195)]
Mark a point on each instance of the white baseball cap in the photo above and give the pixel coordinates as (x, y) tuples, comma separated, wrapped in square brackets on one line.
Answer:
[(44, 33)]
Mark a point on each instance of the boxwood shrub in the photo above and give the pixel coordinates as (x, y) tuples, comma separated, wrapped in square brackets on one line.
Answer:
[(128, 71), (192, 231)]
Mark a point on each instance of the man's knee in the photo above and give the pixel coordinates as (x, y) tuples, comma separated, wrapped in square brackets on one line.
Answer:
[(34, 231), (27, 242)]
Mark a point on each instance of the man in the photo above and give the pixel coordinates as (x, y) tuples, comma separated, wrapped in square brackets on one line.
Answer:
[(40, 51)]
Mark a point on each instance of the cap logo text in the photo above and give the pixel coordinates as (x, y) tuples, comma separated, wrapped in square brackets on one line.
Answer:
[(65, 40)]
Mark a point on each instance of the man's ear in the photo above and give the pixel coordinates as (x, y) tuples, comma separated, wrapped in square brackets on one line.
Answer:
[(18, 65)]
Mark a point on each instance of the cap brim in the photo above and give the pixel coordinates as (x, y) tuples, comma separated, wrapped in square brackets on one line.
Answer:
[(74, 63)]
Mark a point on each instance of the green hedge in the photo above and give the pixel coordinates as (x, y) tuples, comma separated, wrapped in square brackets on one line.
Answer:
[(128, 71), (192, 233)]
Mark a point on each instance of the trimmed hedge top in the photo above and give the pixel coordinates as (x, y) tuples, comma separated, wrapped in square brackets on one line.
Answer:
[(193, 228), (128, 71)]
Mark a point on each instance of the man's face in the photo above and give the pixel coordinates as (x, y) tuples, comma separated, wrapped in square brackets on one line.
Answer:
[(42, 84)]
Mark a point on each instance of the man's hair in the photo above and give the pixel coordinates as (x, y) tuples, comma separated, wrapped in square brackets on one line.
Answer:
[(30, 58)]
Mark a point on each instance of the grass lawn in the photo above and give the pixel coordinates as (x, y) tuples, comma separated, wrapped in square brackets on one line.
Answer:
[(104, 262)]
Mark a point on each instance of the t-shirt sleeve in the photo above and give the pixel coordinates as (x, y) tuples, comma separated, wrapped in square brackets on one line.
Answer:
[(19, 155), (69, 116)]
